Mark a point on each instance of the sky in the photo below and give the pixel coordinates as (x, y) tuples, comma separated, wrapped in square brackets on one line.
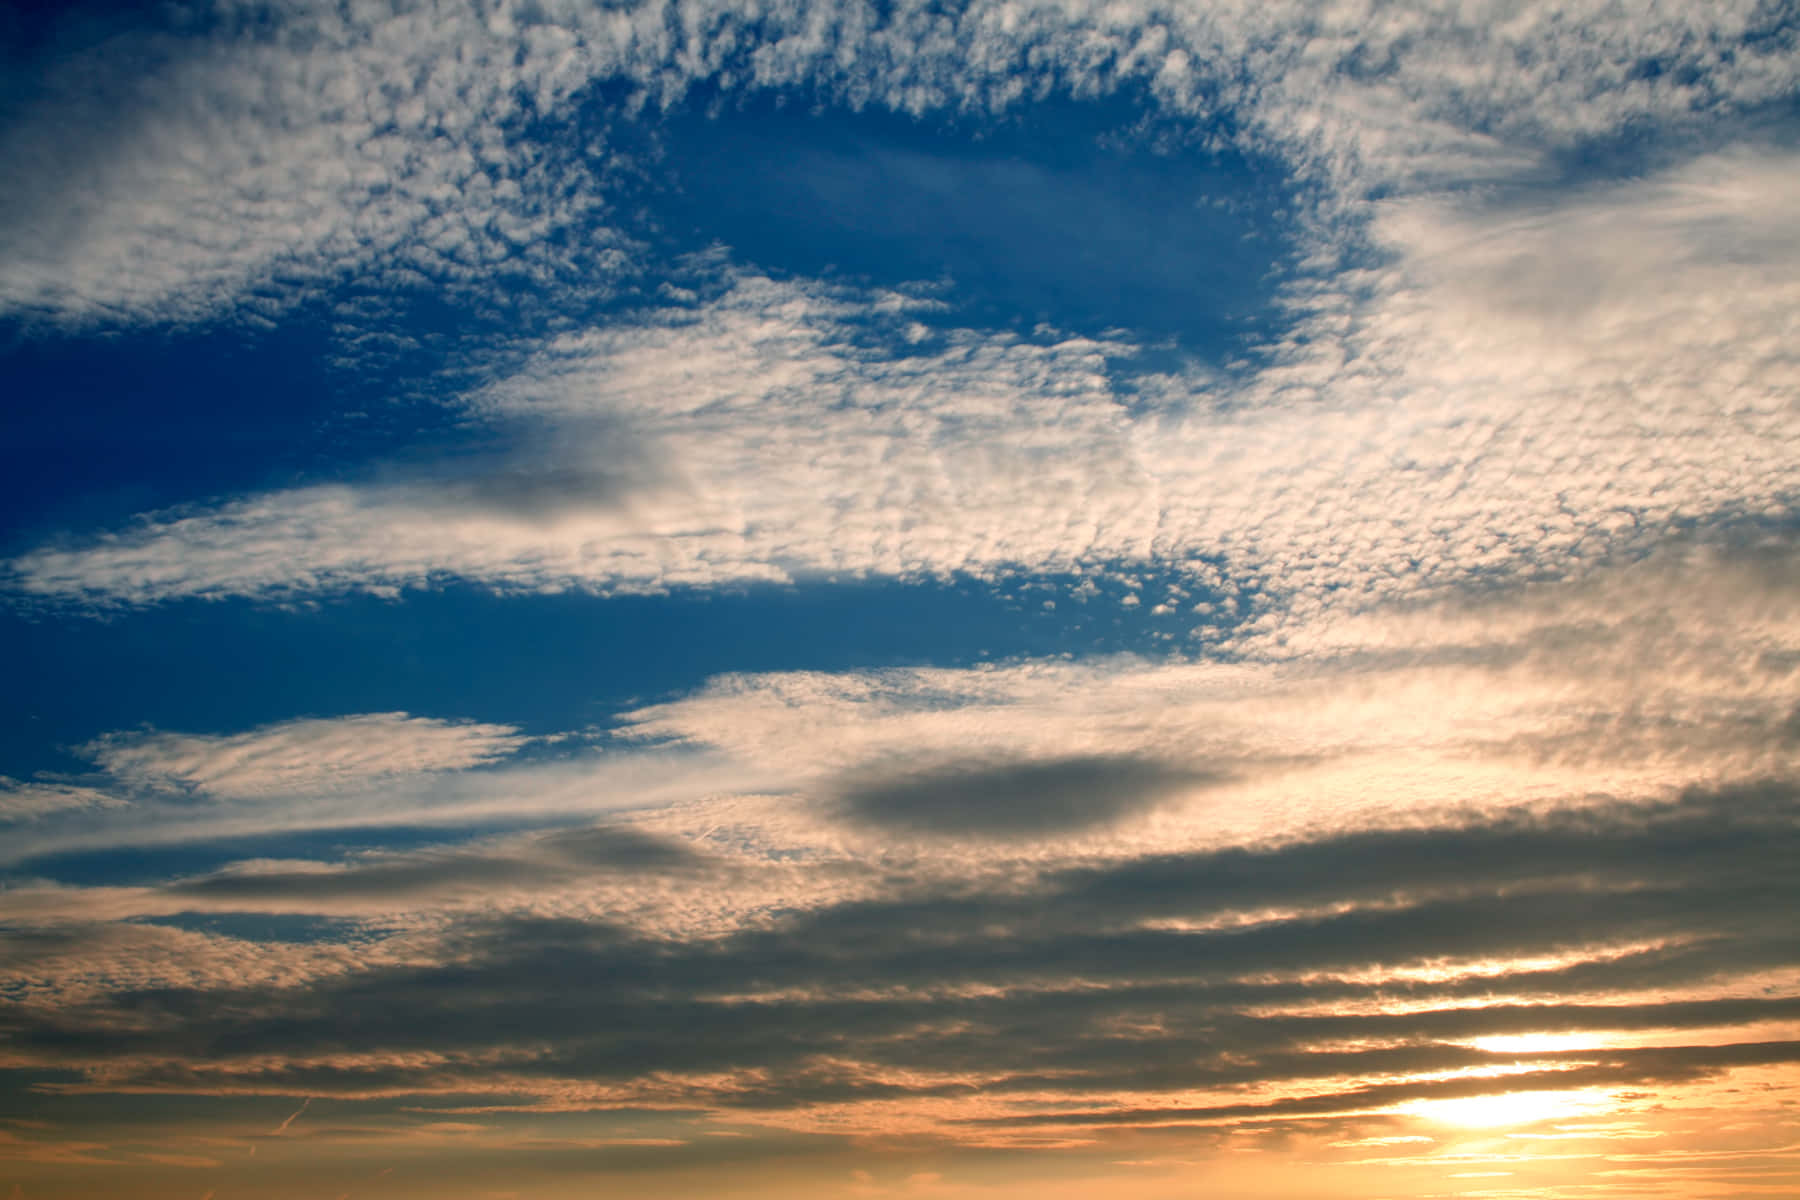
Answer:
[(948, 599)]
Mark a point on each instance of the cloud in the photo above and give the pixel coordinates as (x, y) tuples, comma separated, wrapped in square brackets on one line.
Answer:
[(180, 174), (27, 800), (1499, 396), (1674, 670), (304, 755), (435, 795), (1641, 678), (1212, 986), (1646, 677), (290, 1118), (180, 171), (86, 950), (1320, 880), (1463, 414)]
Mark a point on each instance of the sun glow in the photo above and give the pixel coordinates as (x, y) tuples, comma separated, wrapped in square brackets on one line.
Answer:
[(1511, 1108), (1535, 1043)]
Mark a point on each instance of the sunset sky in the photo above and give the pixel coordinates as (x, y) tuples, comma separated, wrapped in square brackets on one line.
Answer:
[(1084, 599)]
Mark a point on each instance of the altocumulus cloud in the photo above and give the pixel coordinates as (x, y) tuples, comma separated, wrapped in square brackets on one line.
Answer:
[(180, 167), (1469, 415)]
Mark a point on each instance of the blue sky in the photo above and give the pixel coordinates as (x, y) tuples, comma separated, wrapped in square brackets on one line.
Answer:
[(912, 599)]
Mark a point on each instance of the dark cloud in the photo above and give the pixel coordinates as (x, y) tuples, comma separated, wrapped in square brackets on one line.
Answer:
[(1658, 1065), (1082, 984), (619, 847), (542, 494), (1016, 798), (1700, 835)]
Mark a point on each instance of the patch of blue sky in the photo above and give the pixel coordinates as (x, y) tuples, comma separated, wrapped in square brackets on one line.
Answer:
[(1089, 217), (545, 663), (137, 419), (110, 427), (1056, 217)]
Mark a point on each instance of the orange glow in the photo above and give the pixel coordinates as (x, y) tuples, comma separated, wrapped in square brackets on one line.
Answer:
[(1511, 1108)]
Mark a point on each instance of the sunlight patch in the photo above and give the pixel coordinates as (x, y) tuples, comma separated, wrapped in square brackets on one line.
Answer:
[(1510, 1108)]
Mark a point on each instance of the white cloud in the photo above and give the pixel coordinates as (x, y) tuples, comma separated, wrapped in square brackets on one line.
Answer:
[(175, 174), (1533, 382), (1529, 388), (23, 800), (1639, 681), (301, 756)]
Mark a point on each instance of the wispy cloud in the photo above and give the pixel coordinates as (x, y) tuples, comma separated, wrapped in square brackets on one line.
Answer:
[(301, 756), (21, 800), (293, 1116)]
